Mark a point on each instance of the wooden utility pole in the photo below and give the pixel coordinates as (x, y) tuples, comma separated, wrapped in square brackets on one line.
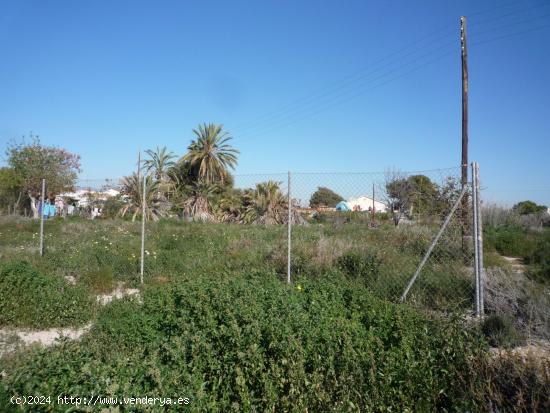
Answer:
[(464, 55), (464, 163)]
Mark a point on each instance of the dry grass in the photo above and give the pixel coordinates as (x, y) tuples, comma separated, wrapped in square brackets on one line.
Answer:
[(518, 380), (509, 292)]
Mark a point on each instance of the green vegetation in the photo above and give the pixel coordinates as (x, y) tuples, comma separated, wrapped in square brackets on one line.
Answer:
[(510, 241), (29, 298), (529, 207), (500, 331), (215, 320), (324, 197), (247, 342), (521, 242), (540, 258), (361, 266), (28, 164)]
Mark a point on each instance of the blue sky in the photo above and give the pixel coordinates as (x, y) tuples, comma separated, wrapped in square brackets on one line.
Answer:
[(299, 84)]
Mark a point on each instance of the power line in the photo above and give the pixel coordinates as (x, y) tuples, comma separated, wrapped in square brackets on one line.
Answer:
[(371, 69), (516, 23), (506, 36), (333, 103), (510, 14), (356, 85), (493, 8), (348, 80)]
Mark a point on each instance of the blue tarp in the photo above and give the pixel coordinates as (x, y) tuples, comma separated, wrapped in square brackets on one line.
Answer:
[(343, 206)]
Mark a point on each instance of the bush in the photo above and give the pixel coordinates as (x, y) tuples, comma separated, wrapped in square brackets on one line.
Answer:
[(363, 266), (516, 382), (112, 206), (500, 331), (510, 241), (251, 343), (101, 281), (29, 298)]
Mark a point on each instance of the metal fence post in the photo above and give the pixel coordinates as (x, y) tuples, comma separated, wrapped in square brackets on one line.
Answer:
[(41, 211), (479, 235), (143, 229), (476, 238), (289, 235)]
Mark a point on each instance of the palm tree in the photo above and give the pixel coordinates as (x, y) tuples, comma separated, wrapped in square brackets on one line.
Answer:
[(266, 204), (210, 154), (160, 162), (230, 207), (132, 193), (197, 205)]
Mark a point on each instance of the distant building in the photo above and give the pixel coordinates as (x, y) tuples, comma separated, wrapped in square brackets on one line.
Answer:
[(84, 197), (365, 203)]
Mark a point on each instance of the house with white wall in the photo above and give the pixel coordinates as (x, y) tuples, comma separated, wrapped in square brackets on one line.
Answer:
[(365, 203)]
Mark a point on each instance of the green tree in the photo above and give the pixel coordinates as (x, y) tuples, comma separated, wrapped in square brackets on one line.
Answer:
[(529, 207), (210, 155), (10, 189), (324, 197), (33, 162), (415, 194), (423, 195), (265, 204), (159, 163), (198, 203)]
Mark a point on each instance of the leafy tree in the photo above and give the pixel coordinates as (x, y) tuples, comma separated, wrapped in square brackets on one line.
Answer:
[(398, 194), (33, 162), (210, 155), (10, 189), (423, 195), (413, 194), (324, 197), (529, 207), (448, 194)]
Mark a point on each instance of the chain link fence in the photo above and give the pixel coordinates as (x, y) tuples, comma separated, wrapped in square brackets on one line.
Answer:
[(405, 235), (382, 228)]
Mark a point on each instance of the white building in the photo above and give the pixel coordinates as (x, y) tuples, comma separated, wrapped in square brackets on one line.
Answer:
[(365, 203), (84, 197)]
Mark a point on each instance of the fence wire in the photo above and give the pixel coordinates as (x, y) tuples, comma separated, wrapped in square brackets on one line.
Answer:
[(373, 227), (379, 226)]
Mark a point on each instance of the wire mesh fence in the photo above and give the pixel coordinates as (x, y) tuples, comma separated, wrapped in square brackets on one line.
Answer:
[(377, 228)]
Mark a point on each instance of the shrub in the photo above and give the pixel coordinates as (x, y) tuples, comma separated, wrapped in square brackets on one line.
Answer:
[(251, 343), (112, 206), (101, 281), (516, 381), (510, 241), (363, 266), (29, 298), (500, 331)]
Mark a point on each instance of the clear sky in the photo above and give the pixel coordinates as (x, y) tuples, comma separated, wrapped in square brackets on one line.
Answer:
[(301, 85)]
